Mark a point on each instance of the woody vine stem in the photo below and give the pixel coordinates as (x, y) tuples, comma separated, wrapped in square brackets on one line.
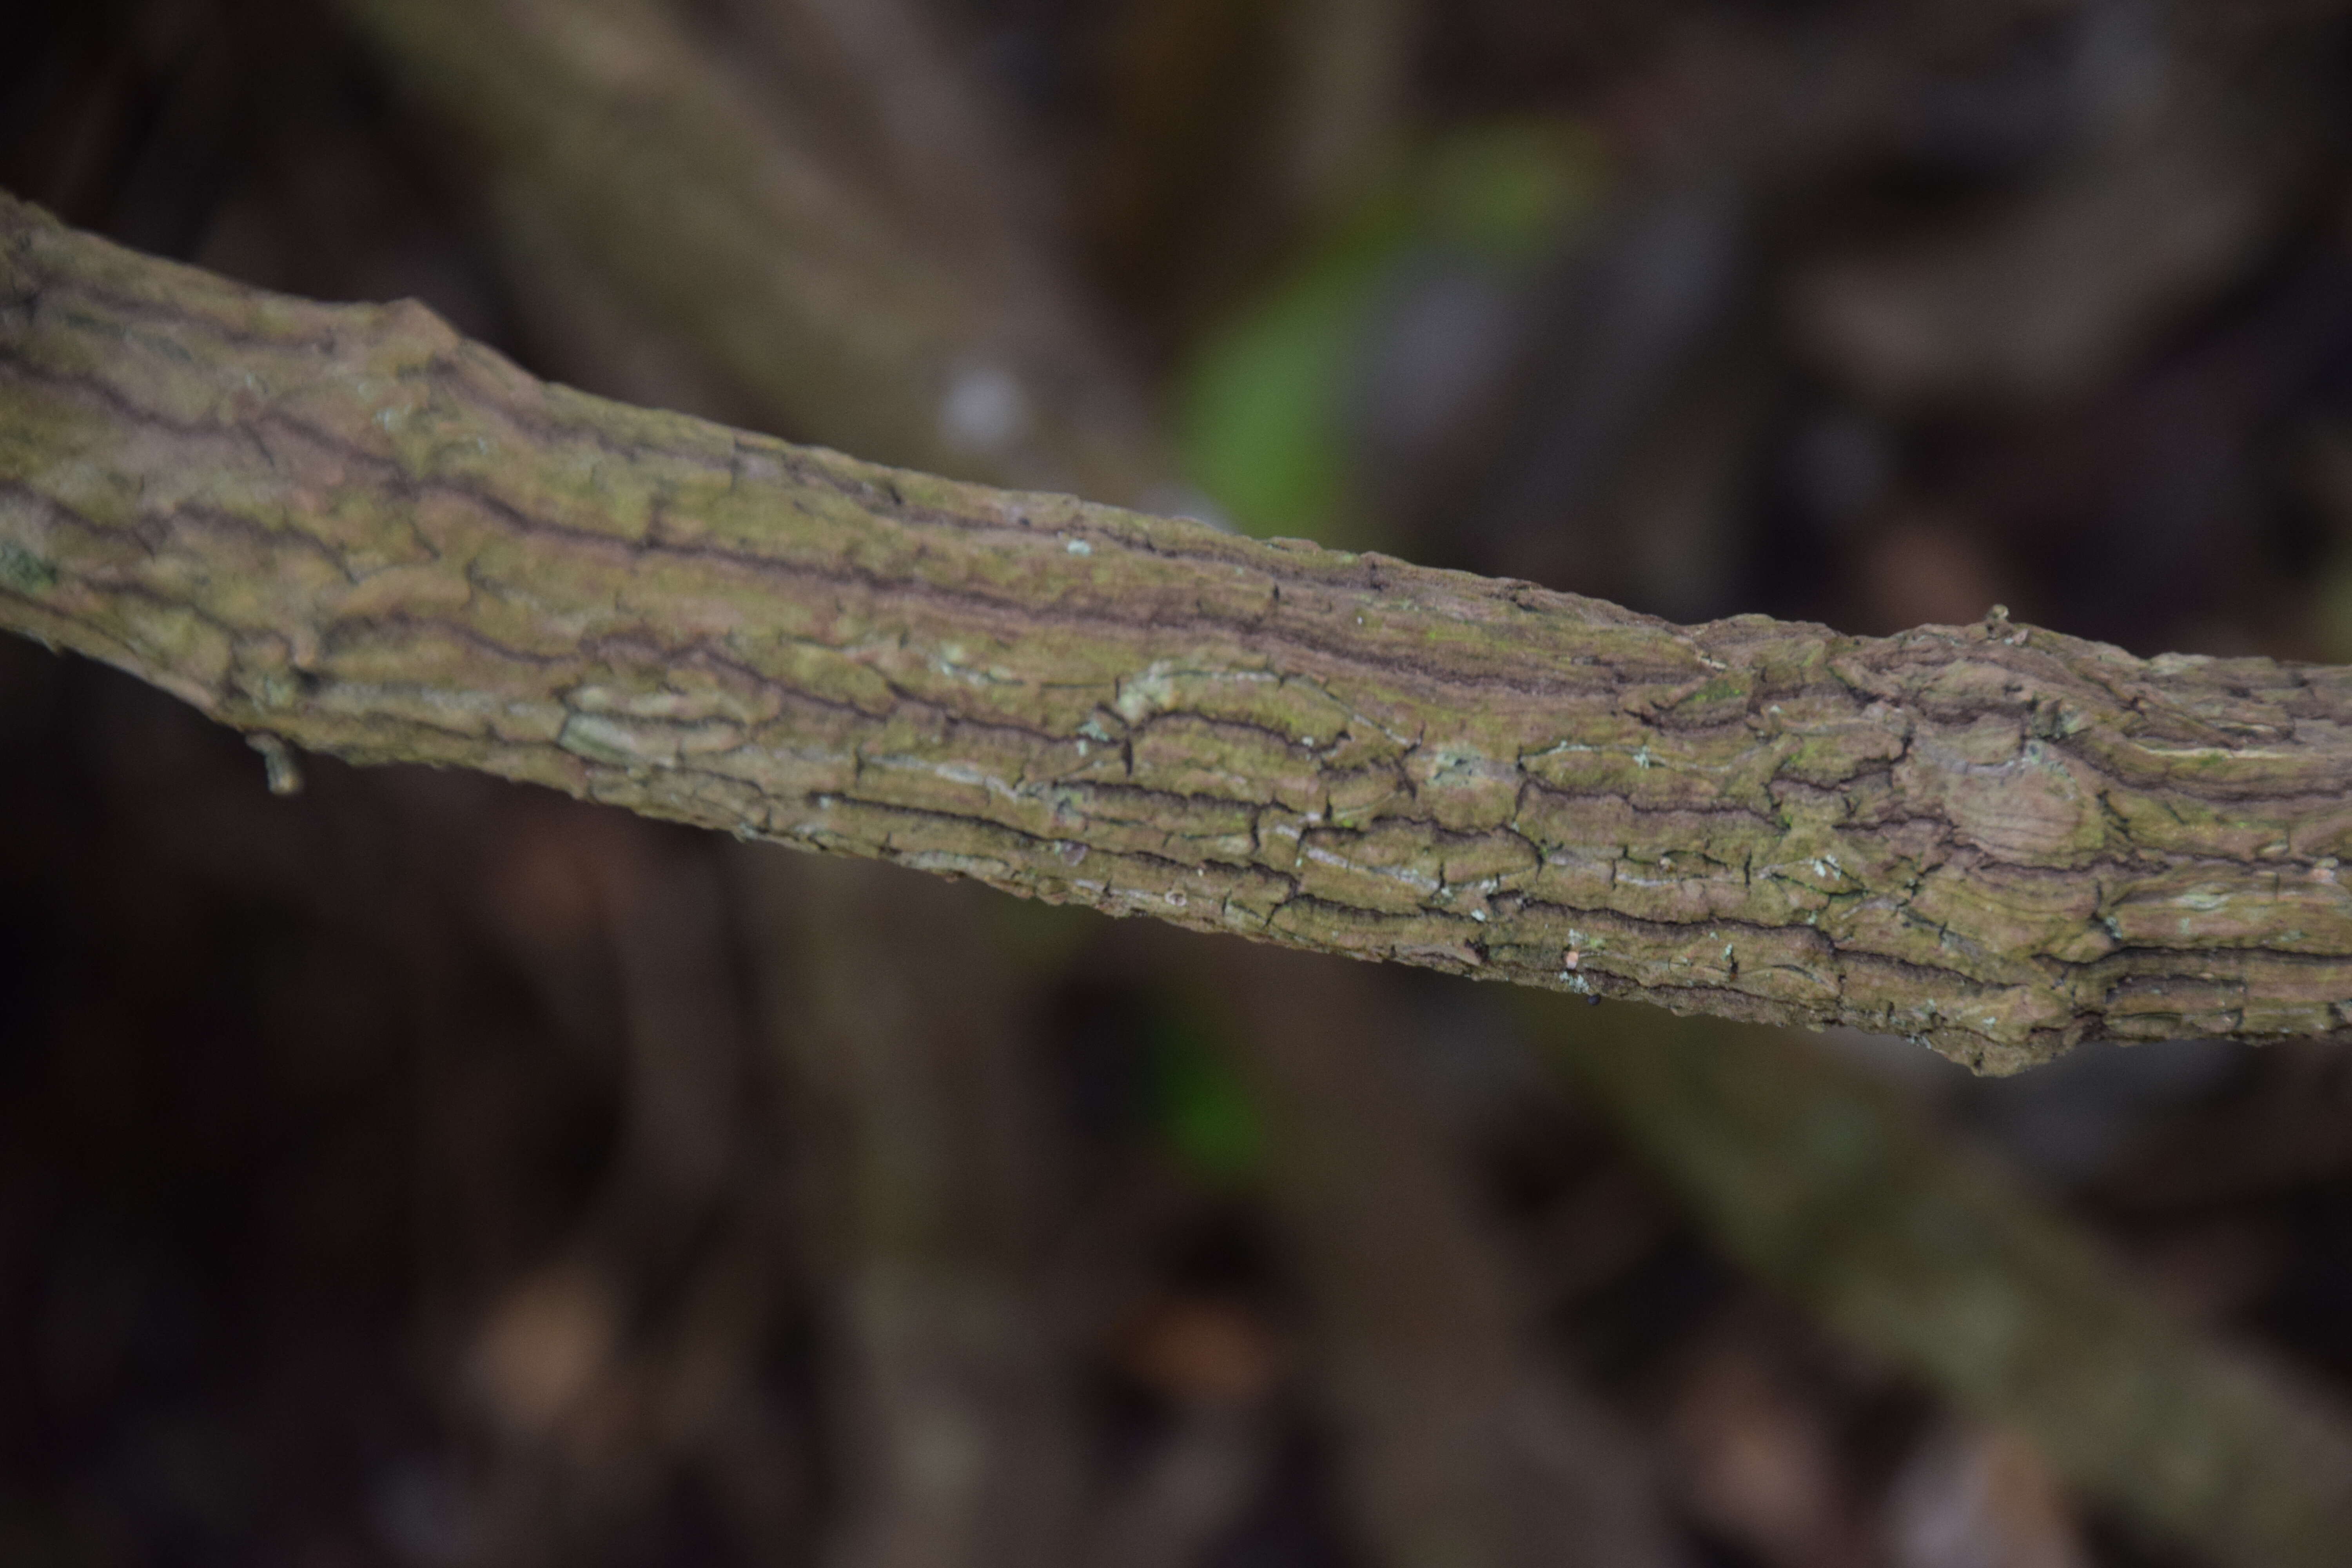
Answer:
[(346, 529)]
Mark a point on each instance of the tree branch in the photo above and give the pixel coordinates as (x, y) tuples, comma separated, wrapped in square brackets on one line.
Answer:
[(349, 529)]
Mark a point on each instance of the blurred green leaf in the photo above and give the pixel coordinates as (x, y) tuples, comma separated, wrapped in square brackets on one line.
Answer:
[(1262, 406), (1202, 1107)]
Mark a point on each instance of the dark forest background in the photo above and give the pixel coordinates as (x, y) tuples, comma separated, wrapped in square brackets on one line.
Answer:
[(418, 1170)]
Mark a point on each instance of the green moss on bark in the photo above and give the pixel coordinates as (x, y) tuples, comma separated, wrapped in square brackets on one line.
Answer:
[(348, 528)]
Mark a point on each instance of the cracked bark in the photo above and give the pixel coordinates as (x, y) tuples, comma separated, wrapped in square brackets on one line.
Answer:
[(347, 528)]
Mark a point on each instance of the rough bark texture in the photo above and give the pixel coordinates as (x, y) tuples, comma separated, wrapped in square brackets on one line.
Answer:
[(347, 528)]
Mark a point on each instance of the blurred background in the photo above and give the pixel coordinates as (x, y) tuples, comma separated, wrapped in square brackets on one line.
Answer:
[(421, 1170)]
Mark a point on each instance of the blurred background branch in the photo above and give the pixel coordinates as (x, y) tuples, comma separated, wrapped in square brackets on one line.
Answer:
[(790, 272)]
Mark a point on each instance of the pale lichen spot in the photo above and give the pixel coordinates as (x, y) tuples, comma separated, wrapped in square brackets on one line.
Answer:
[(600, 738), (1420, 881), (945, 862), (1457, 767), (1079, 547), (1140, 696)]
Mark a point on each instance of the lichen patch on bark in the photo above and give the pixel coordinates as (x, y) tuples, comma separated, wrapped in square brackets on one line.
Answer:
[(349, 529)]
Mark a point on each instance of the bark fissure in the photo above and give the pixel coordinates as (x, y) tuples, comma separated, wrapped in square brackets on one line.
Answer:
[(349, 529)]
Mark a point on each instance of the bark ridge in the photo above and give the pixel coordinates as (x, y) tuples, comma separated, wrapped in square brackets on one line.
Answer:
[(347, 528)]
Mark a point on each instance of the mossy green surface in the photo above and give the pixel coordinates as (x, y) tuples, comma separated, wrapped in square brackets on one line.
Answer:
[(351, 528)]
